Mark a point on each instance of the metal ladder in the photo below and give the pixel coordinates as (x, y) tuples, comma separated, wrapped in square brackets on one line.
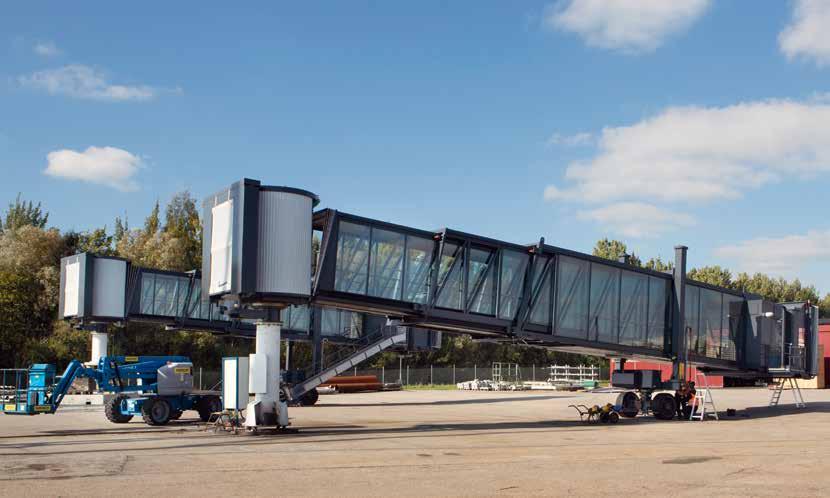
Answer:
[(779, 389), (375, 347), (703, 403)]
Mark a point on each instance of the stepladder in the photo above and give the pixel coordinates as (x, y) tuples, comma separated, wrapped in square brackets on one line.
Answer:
[(775, 397), (703, 405)]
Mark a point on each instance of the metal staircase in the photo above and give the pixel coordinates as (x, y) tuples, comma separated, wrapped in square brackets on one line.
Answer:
[(373, 345), (779, 389), (703, 404)]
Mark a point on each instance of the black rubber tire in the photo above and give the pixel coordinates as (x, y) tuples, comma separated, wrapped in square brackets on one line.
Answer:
[(208, 405), (664, 407), (176, 415), (310, 398), (630, 403), (156, 411), (613, 417), (112, 410)]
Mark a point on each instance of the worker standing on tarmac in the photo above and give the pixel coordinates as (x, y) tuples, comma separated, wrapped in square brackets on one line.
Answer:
[(683, 397)]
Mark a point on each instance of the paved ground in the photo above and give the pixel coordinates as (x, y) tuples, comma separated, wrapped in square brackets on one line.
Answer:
[(429, 443)]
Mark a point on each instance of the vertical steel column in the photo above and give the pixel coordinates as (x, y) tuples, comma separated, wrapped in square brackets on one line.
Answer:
[(680, 350), (315, 328)]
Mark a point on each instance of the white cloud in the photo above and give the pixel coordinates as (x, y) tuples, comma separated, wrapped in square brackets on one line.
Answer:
[(630, 26), (46, 49), (807, 35), (697, 154), (84, 82), (108, 166), (779, 255), (575, 140), (637, 219)]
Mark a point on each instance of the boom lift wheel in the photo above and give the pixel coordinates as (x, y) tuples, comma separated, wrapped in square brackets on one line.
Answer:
[(156, 411), (208, 405), (663, 406), (112, 410)]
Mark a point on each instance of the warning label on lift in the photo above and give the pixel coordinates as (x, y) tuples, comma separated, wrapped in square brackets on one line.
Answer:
[(10, 408), (182, 370), (43, 408), (131, 359)]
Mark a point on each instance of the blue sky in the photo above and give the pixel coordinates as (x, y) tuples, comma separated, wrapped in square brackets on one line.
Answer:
[(702, 122)]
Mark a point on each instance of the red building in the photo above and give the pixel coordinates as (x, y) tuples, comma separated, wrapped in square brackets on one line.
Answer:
[(665, 370), (717, 381), (824, 347)]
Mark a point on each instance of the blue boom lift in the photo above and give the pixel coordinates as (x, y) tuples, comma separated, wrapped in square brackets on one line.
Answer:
[(158, 388)]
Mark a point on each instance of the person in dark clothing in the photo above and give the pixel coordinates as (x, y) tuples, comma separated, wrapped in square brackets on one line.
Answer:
[(683, 397)]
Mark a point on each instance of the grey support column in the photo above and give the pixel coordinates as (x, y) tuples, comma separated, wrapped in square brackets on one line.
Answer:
[(679, 338), (316, 341)]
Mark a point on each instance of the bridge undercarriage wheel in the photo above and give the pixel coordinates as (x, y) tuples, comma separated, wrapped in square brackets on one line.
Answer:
[(310, 398), (629, 404), (112, 410), (208, 405), (156, 411), (663, 406)]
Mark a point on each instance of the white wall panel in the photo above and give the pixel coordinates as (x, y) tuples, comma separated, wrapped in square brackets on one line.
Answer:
[(284, 252), (109, 287), (221, 241)]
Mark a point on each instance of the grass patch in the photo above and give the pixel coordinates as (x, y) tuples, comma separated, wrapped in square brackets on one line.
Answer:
[(430, 387)]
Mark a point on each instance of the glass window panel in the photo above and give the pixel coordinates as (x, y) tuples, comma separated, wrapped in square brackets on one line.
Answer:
[(572, 298), (634, 309), (386, 267), (194, 306), (481, 281), (605, 302), (148, 287), (540, 314), (181, 295), (165, 298), (330, 322), (418, 263), (352, 324), (451, 277), (352, 266), (733, 321), (299, 318), (658, 311), (694, 342), (512, 275), (711, 321)]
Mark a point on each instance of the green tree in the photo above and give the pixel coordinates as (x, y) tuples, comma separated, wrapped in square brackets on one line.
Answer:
[(25, 318), (96, 241), (824, 306), (713, 275), (183, 228), (21, 213), (613, 250), (658, 264)]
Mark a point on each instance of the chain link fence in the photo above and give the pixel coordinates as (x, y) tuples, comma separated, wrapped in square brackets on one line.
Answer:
[(411, 376)]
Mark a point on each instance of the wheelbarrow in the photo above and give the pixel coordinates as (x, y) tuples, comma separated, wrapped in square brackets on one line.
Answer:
[(606, 414)]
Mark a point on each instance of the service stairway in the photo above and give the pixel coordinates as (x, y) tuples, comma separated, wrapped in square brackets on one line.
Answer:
[(374, 344)]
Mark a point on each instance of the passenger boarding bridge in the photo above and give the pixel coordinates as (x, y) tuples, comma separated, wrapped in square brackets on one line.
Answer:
[(374, 277)]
